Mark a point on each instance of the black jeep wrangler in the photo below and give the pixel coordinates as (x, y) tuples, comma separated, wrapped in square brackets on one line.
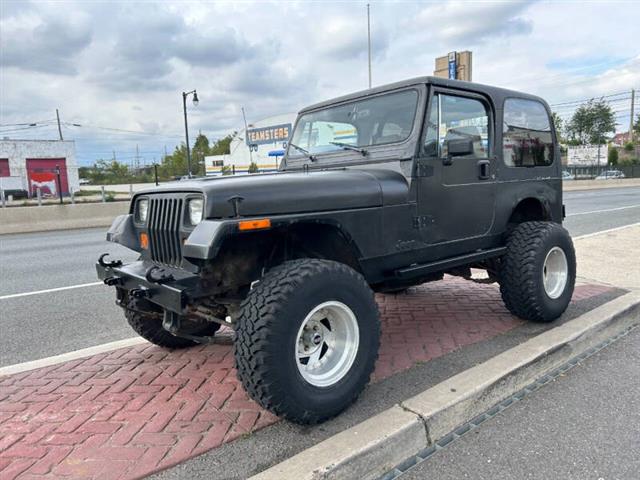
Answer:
[(378, 191)]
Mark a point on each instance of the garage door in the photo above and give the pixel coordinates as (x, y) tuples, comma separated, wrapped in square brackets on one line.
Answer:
[(42, 174), (4, 167)]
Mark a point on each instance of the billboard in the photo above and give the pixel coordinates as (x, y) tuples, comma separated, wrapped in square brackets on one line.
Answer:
[(270, 134), (587, 155)]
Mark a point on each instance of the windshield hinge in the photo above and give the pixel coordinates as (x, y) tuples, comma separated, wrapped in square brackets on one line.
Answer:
[(423, 169)]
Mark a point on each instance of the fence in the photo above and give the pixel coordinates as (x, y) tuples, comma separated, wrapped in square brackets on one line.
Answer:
[(592, 171)]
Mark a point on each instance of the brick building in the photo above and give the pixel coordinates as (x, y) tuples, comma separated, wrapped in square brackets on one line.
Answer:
[(26, 165)]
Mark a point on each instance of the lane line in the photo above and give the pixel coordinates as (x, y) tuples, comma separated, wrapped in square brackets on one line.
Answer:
[(74, 355), (604, 210), (107, 347), (49, 290), (602, 232)]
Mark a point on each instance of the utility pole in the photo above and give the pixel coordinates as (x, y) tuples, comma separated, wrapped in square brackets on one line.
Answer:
[(633, 99), (59, 128), (246, 135), (369, 39), (136, 164)]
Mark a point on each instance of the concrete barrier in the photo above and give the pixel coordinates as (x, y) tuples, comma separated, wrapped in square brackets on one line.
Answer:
[(59, 217), (572, 185)]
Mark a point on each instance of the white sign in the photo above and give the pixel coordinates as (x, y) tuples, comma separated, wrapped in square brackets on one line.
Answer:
[(587, 155)]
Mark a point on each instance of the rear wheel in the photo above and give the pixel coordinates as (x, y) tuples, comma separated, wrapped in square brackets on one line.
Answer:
[(146, 319), (538, 272), (307, 339)]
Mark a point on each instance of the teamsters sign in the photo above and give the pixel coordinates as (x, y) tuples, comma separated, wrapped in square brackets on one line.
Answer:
[(272, 134)]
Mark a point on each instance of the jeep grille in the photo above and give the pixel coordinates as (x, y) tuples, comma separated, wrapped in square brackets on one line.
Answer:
[(165, 215)]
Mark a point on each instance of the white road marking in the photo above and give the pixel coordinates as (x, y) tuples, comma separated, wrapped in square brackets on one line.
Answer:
[(49, 290), (602, 232), (602, 211), (74, 355)]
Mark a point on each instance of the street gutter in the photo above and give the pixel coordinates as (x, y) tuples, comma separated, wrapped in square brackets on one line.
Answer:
[(377, 445)]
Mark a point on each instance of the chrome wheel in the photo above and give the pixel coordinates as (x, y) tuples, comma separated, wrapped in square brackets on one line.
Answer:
[(327, 344), (555, 272)]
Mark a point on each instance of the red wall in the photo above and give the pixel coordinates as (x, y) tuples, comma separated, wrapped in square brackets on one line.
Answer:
[(42, 171)]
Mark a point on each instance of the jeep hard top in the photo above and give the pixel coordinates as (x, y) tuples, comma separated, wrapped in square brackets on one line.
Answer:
[(378, 191)]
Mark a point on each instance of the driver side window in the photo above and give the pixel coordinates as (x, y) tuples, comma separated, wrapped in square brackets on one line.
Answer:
[(454, 118)]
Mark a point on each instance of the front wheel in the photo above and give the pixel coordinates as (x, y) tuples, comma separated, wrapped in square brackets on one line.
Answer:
[(307, 339), (538, 272)]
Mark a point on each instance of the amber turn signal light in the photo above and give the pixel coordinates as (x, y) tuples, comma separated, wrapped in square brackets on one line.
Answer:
[(254, 224), (144, 241)]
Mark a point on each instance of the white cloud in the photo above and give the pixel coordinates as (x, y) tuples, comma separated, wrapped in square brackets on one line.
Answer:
[(122, 64)]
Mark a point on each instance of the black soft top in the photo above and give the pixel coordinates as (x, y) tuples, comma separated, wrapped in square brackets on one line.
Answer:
[(496, 93)]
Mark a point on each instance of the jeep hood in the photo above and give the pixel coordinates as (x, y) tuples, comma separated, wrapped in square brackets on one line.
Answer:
[(296, 192)]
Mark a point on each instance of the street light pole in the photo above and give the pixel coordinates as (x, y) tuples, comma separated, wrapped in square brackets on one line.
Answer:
[(186, 127)]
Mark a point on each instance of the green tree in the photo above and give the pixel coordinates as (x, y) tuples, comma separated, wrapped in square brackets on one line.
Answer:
[(222, 146), (253, 168), (612, 156), (200, 150), (559, 125), (226, 170), (174, 165), (592, 122)]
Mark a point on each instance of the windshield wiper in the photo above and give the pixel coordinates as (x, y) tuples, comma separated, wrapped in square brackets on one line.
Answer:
[(303, 151), (347, 146)]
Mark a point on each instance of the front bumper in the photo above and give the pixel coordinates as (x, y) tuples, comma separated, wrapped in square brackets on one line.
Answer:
[(172, 289)]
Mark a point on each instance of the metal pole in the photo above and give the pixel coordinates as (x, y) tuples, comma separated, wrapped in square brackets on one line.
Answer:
[(246, 136), (186, 132), (39, 195), (59, 128), (633, 99), (2, 198), (369, 39), (155, 172), (59, 182), (103, 196)]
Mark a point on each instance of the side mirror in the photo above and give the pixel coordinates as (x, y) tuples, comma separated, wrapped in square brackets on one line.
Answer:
[(459, 147)]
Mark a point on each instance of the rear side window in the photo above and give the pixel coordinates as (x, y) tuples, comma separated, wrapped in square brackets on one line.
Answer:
[(527, 140)]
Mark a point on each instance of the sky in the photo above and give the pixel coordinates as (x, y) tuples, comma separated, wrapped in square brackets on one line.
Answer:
[(117, 67)]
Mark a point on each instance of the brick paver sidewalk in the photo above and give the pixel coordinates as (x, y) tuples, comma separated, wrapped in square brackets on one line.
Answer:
[(127, 413)]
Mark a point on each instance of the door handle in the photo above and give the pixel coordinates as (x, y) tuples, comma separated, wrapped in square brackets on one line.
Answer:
[(485, 169)]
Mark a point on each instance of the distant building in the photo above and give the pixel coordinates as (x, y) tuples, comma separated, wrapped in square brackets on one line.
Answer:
[(264, 143), (26, 165), (620, 139), (455, 65)]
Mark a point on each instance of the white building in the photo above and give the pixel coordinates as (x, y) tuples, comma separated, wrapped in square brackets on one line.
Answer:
[(26, 165), (264, 143)]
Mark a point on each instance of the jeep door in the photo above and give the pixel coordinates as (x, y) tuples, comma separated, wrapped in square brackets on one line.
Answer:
[(456, 170)]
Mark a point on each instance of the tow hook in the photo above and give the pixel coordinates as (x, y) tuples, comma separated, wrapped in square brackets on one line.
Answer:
[(113, 281), (171, 322), (108, 264), (162, 277), (139, 292)]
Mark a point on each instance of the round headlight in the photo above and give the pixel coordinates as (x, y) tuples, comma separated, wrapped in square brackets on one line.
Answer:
[(195, 210), (142, 210)]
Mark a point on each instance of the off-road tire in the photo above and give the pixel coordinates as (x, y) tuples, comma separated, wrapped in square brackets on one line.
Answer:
[(146, 319), (266, 338), (521, 271)]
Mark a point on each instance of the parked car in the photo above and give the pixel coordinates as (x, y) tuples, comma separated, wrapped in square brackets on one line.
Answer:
[(610, 175), (567, 175), (398, 185)]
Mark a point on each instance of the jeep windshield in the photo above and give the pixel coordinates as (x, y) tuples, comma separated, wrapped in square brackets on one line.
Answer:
[(356, 125)]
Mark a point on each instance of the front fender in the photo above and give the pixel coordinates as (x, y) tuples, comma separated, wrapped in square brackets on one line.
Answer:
[(123, 231), (205, 240)]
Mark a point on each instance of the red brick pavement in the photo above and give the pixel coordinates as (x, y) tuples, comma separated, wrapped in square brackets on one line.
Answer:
[(127, 413)]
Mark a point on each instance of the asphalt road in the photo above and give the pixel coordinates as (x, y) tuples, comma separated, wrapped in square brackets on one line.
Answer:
[(51, 323), (584, 425)]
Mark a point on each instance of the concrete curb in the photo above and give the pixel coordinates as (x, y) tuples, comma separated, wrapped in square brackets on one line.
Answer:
[(373, 447)]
